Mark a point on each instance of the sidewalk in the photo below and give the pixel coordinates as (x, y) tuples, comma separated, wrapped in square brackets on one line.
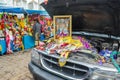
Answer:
[(15, 66)]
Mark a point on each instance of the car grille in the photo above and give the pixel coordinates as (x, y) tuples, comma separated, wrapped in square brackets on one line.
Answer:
[(70, 70)]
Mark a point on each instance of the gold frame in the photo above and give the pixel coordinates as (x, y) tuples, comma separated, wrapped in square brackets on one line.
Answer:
[(62, 20)]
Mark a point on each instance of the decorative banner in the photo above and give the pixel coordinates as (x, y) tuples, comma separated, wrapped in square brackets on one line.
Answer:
[(62, 26)]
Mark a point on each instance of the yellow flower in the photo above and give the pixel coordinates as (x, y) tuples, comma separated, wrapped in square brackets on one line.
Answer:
[(22, 24)]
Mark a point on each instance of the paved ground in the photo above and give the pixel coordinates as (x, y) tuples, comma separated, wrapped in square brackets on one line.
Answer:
[(15, 66)]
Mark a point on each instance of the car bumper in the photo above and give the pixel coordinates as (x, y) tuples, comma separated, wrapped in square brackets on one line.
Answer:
[(41, 74)]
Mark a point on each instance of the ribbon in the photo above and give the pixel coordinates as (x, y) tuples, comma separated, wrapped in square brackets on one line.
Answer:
[(63, 58)]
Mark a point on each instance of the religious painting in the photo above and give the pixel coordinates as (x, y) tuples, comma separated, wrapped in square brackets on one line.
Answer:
[(62, 26)]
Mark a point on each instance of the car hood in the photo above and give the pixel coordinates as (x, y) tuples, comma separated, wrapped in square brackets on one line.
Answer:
[(97, 16)]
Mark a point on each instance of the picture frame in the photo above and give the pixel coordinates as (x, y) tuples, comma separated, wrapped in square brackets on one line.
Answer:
[(62, 26)]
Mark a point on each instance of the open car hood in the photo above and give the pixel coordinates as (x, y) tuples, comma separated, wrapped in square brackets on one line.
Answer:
[(97, 16)]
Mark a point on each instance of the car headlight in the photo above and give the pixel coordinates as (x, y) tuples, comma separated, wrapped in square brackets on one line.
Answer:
[(35, 57), (103, 75)]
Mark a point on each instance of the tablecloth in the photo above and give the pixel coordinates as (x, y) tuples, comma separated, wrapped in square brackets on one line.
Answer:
[(3, 45), (28, 41)]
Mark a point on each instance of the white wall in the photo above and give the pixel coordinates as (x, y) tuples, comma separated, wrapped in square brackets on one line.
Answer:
[(40, 1), (18, 3), (36, 1), (10, 2), (35, 6), (21, 3), (24, 4), (30, 6), (7, 2)]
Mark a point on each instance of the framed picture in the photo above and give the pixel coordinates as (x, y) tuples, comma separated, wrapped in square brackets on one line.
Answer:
[(62, 26)]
